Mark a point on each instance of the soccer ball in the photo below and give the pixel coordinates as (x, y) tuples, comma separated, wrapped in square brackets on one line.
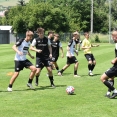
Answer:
[(70, 90)]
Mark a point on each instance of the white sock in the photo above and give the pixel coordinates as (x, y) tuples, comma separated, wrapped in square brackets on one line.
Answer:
[(108, 93), (115, 91), (90, 71)]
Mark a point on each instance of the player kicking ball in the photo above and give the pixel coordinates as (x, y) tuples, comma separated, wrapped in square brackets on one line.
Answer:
[(21, 49)]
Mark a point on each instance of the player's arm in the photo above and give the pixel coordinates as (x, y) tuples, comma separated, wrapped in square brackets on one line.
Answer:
[(50, 48), (114, 60), (60, 46), (30, 55), (32, 47), (94, 45), (14, 47)]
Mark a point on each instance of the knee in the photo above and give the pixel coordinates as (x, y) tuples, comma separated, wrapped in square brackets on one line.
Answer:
[(103, 78), (34, 69)]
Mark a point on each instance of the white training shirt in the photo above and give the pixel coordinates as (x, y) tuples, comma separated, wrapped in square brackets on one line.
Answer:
[(23, 47), (71, 45)]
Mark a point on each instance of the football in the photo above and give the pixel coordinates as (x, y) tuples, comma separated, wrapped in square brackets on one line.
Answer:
[(70, 90)]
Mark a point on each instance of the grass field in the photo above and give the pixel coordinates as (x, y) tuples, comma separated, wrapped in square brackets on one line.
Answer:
[(7, 3), (88, 100)]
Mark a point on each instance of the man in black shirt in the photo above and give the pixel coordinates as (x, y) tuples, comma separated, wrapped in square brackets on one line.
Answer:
[(43, 54), (112, 72), (56, 45)]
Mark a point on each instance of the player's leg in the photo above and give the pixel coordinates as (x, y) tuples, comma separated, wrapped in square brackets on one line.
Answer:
[(12, 80), (93, 63), (50, 75), (18, 66), (32, 74), (104, 78), (65, 67), (111, 81)]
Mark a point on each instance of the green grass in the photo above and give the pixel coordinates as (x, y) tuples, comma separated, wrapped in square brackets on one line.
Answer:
[(88, 101), (7, 3)]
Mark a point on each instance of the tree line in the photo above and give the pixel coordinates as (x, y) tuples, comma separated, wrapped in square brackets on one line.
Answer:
[(61, 15)]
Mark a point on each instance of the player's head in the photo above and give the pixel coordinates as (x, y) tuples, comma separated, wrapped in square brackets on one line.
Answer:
[(51, 32), (29, 35), (56, 37), (86, 34), (114, 36), (40, 32), (76, 35)]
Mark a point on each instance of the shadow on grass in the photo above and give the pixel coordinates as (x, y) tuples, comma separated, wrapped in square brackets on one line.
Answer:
[(49, 87), (91, 76)]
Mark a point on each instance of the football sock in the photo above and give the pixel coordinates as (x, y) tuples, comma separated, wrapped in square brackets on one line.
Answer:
[(112, 84), (37, 77), (89, 66), (10, 85), (109, 85), (62, 71), (57, 68), (30, 80), (51, 79), (92, 67), (75, 72)]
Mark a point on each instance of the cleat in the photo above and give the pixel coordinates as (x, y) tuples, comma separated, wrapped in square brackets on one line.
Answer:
[(59, 73), (113, 96), (36, 84), (90, 74), (52, 85), (77, 76), (108, 96), (30, 86), (9, 89)]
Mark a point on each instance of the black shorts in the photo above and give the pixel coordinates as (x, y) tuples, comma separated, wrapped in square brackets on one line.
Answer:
[(71, 60), (41, 62), (54, 58), (112, 72), (19, 65), (89, 57)]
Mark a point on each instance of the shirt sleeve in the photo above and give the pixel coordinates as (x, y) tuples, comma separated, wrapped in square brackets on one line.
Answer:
[(83, 43), (49, 43), (33, 42), (19, 42), (60, 44), (70, 42)]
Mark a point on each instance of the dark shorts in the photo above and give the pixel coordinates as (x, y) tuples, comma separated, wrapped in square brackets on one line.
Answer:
[(71, 60), (54, 58), (19, 65), (41, 62), (89, 57), (112, 72)]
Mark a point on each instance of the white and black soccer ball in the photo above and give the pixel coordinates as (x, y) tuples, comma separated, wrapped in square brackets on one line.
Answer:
[(70, 90)]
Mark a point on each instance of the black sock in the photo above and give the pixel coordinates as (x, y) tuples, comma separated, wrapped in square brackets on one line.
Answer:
[(75, 72), (112, 84), (92, 67), (51, 79), (108, 85), (62, 71), (89, 66), (57, 68), (37, 77), (10, 85), (30, 80)]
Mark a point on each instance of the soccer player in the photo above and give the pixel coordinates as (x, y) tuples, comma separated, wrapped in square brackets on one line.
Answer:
[(112, 72), (70, 56), (86, 46), (21, 47), (43, 54), (56, 45), (50, 35)]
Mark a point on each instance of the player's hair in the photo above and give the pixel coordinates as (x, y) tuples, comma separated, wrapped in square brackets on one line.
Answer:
[(56, 35), (50, 32), (86, 33), (40, 30), (29, 33)]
